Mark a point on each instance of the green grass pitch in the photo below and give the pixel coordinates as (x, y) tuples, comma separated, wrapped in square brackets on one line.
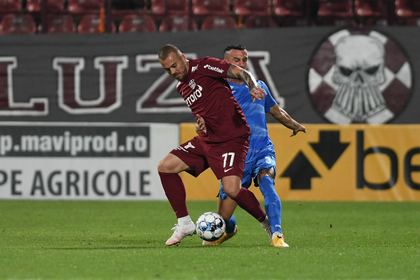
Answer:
[(126, 240)]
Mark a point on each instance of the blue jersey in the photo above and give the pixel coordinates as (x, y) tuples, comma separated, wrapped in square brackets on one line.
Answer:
[(261, 154), (259, 141)]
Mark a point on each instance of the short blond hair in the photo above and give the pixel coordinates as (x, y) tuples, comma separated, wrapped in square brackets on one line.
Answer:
[(166, 50)]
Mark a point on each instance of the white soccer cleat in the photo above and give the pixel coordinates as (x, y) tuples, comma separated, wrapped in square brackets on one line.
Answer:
[(180, 231)]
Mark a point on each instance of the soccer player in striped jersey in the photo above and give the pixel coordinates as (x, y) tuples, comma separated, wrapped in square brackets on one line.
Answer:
[(260, 163), (222, 147)]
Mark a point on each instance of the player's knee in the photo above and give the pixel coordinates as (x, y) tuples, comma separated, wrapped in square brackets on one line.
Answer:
[(269, 172), (231, 191), (161, 166), (164, 166)]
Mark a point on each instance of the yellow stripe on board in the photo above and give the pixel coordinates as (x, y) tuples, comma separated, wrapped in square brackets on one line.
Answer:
[(334, 162)]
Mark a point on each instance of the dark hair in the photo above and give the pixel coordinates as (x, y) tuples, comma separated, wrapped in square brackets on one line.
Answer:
[(166, 50), (238, 47)]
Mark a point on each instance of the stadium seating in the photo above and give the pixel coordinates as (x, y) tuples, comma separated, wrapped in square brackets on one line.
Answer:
[(52, 5), (121, 8), (407, 8), (91, 23), (365, 8), (8, 6), (293, 21), (338, 21), (213, 7), (335, 12), (259, 22), (59, 24), (371, 12), (183, 15), (178, 23), (132, 5), (162, 8), (218, 22), (17, 24), (137, 23), (402, 8), (288, 7), (84, 6), (412, 21), (336, 8), (291, 12), (252, 7)]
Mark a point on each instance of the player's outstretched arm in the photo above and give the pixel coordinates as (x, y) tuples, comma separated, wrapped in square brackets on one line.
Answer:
[(239, 73), (285, 119)]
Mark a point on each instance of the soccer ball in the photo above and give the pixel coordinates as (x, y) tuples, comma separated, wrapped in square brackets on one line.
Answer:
[(210, 226)]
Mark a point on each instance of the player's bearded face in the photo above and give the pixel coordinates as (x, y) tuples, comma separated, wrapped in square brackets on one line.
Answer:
[(176, 66)]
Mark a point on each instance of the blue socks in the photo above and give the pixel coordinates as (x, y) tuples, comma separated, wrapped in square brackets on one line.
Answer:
[(230, 225), (272, 203), (272, 206)]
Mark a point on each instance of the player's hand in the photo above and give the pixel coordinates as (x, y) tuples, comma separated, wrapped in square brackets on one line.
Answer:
[(298, 127), (200, 125), (257, 93)]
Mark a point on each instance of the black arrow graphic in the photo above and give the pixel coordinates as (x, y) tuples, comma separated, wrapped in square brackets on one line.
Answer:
[(329, 148), (300, 171)]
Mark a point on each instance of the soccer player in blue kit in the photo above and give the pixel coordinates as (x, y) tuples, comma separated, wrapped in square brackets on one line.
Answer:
[(260, 163)]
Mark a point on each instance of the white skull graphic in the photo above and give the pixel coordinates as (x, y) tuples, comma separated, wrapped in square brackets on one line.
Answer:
[(359, 70)]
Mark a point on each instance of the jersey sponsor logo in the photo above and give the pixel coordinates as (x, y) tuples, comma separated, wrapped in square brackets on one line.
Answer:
[(356, 75), (194, 96), (213, 68), (192, 84)]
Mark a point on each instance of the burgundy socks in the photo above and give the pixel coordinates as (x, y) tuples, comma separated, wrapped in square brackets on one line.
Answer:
[(175, 192), (247, 201)]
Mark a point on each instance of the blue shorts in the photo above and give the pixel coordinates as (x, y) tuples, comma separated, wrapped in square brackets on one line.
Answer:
[(251, 170)]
